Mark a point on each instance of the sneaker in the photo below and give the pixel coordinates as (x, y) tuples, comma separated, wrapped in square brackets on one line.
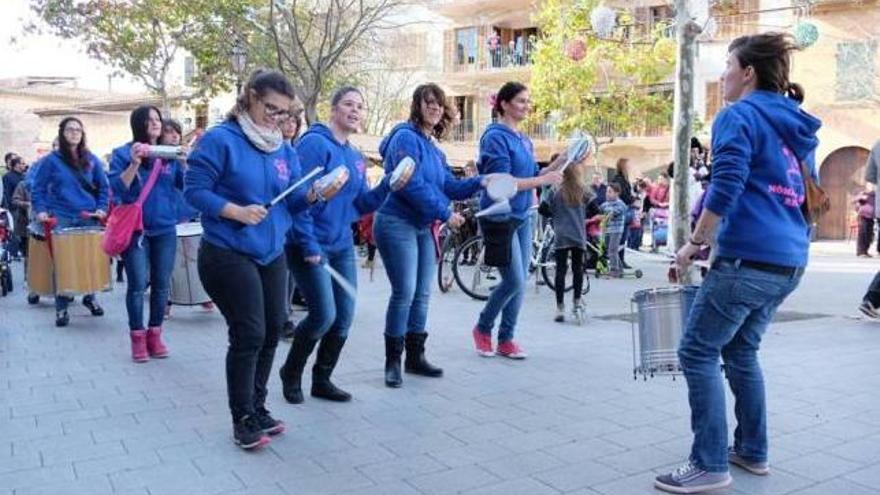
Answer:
[(759, 468), (483, 343), (560, 313), (869, 310), (268, 424), (690, 479), (511, 350), (93, 306), (62, 318), (288, 331), (248, 434)]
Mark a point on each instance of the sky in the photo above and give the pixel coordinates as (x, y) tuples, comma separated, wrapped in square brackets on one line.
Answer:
[(46, 55)]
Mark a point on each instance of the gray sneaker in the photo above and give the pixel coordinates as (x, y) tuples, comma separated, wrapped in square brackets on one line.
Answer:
[(759, 468), (690, 479), (869, 310)]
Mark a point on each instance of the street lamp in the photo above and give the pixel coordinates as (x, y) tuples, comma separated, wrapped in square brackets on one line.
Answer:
[(239, 62)]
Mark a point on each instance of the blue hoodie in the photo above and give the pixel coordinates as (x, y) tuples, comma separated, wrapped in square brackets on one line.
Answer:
[(427, 195), (503, 150), (330, 229), (226, 168), (57, 191), (160, 207), (757, 187)]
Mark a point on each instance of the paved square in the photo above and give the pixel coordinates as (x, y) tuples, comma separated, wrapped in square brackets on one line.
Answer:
[(78, 417)]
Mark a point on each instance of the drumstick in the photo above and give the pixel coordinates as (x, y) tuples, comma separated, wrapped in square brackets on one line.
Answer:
[(315, 171), (339, 279)]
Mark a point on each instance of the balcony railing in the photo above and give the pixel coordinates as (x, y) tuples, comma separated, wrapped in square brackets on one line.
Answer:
[(502, 57)]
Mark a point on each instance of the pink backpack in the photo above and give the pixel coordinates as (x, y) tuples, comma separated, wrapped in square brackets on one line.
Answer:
[(125, 220)]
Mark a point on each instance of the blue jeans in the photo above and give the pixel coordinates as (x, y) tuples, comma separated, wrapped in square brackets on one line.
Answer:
[(507, 297), (408, 255), (730, 313), (151, 256), (331, 309), (62, 302)]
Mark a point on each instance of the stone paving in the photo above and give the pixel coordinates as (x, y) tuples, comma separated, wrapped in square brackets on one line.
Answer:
[(78, 417)]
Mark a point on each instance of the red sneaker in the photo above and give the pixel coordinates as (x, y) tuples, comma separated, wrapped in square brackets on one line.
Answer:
[(511, 350), (483, 343)]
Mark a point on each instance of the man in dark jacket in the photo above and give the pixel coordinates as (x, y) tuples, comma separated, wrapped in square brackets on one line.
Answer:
[(16, 167)]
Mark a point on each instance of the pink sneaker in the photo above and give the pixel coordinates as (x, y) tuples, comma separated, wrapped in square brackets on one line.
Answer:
[(139, 352), (155, 346), (483, 342), (511, 350)]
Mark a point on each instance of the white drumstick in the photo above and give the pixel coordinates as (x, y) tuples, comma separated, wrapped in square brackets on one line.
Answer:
[(339, 279), (315, 171)]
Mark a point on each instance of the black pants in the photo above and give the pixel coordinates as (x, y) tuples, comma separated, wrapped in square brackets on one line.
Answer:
[(873, 294), (577, 267), (253, 300), (866, 235), (371, 251)]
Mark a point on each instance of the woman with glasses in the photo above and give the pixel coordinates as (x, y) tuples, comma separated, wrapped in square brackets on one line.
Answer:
[(70, 186), (235, 171)]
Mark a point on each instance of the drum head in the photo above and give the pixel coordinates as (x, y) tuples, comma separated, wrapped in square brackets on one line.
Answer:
[(189, 229), (578, 149), (332, 182), (402, 173), (501, 187)]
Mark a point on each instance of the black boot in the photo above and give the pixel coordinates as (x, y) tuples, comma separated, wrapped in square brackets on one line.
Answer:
[(415, 356), (291, 373), (328, 355), (393, 350)]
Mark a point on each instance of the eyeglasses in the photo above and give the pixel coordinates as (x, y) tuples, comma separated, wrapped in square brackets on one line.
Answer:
[(73, 130), (274, 112)]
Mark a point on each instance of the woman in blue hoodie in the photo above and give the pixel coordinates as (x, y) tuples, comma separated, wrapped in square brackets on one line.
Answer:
[(402, 227), (328, 239), (71, 186), (504, 149), (152, 251), (234, 172), (754, 210)]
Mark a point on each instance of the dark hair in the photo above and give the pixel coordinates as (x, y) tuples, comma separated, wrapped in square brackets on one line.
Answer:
[(769, 54), (140, 116), (7, 156), (615, 187), (506, 94), (621, 162), (415, 111), (695, 143), (173, 125), (261, 82), (79, 159), (340, 93)]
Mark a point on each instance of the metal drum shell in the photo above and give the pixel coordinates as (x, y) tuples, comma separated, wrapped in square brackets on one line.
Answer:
[(661, 315), (186, 286), (81, 265)]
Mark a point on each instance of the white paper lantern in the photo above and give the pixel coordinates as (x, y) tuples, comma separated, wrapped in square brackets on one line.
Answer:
[(603, 20)]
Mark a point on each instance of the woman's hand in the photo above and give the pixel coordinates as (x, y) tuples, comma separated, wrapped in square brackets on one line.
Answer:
[(42, 217), (249, 215), (455, 220), (685, 256), (313, 260), (100, 214), (552, 178)]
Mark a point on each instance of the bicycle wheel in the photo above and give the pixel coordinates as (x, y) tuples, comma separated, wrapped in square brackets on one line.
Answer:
[(473, 276), (445, 278)]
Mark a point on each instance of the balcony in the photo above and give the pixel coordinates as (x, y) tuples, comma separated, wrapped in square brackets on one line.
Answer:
[(502, 58)]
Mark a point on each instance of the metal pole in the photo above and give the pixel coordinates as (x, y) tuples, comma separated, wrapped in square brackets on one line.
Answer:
[(687, 31)]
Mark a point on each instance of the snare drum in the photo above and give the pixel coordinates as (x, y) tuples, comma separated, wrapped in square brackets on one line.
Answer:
[(40, 270), (186, 288), (661, 315), (81, 266)]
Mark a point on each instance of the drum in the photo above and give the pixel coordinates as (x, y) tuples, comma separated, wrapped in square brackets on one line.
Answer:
[(402, 174), (333, 182), (661, 315), (40, 270), (186, 287), (81, 266)]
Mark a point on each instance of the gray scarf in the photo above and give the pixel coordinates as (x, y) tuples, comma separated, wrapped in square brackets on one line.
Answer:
[(265, 139)]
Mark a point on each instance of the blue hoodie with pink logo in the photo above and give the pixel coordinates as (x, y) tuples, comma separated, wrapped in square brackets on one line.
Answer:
[(330, 229), (161, 205), (225, 167), (756, 184)]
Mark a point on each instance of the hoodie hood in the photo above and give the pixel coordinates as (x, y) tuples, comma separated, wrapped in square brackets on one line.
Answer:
[(324, 131), (796, 127), (383, 146)]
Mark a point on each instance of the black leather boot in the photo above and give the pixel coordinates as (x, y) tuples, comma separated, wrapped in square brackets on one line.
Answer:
[(291, 373), (328, 355), (415, 356), (393, 351)]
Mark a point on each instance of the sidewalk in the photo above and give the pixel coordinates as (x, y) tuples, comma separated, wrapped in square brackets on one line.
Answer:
[(78, 417)]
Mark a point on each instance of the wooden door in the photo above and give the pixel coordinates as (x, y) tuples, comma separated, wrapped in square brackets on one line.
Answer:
[(842, 174)]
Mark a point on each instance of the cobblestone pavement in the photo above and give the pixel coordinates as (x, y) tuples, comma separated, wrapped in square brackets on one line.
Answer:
[(78, 417)]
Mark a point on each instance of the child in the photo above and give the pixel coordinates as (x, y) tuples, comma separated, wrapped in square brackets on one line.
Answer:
[(635, 227), (615, 211), (865, 209), (569, 207)]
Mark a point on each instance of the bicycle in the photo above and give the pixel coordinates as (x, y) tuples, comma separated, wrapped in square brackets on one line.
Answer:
[(446, 242)]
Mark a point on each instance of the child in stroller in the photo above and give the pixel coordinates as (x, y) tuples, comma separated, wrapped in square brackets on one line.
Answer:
[(5, 255), (659, 221)]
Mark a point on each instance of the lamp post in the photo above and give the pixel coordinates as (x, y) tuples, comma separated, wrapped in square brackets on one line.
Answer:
[(239, 63)]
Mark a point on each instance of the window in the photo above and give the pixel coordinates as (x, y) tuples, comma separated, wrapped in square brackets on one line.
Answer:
[(856, 70)]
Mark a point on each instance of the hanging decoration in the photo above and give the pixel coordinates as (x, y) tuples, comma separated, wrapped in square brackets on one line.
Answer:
[(806, 34), (603, 20), (576, 49)]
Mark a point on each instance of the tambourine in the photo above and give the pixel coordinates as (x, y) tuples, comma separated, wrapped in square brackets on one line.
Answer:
[(501, 187), (402, 174), (330, 184)]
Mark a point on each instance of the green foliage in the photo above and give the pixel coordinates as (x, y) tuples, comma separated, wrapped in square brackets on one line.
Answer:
[(612, 89)]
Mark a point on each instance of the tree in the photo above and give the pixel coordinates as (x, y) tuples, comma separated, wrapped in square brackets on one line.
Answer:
[(142, 38), (313, 37), (603, 85)]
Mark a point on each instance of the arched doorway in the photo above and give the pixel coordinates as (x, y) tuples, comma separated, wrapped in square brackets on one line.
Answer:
[(841, 174)]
